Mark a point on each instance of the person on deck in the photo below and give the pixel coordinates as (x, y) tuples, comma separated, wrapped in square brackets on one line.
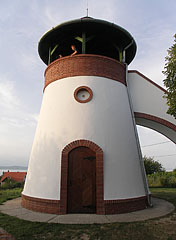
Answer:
[(74, 49)]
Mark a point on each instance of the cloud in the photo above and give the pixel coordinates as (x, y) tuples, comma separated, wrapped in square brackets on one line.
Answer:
[(14, 119), (152, 50), (29, 61), (8, 99)]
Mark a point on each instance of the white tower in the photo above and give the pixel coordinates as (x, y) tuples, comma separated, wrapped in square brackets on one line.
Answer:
[(86, 156)]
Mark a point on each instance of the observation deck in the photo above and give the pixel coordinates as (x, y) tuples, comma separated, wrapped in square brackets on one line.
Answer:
[(90, 36)]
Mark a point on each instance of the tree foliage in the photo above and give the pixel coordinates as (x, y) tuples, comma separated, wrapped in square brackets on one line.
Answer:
[(170, 80), (152, 166), (163, 179)]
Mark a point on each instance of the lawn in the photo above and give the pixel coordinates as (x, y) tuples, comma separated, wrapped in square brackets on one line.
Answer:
[(9, 194), (161, 228)]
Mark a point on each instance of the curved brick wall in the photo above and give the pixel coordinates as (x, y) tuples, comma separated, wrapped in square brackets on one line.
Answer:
[(41, 205), (125, 205), (85, 65), (107, 206)]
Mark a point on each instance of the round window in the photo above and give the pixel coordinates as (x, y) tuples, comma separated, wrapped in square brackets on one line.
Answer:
[(83, 94)]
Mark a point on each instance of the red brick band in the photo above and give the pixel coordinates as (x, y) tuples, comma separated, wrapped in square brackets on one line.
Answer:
[(110, 206), (85, 65), (155, 119), (125, 205), (41, 205)]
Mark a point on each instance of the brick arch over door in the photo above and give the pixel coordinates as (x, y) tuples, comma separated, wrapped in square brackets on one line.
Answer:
[(99, 174)]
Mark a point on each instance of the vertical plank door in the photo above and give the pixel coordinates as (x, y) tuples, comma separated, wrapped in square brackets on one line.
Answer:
[(81, 195)]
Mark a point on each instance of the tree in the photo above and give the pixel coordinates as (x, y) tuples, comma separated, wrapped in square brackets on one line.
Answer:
[(170, 80), (152, 166)]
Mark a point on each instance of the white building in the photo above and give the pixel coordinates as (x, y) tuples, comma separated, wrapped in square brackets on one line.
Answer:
[(86, 156)]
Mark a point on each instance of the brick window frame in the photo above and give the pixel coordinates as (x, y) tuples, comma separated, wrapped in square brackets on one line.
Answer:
[(83, 88), (99, 174)]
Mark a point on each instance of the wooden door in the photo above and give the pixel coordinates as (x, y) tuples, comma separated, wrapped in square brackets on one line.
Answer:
[(81, 195)]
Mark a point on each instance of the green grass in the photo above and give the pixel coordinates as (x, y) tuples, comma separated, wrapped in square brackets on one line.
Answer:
[(168, 194), (161, 229), (9, 194)]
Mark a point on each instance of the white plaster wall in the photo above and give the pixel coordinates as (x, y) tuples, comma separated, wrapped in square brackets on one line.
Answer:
[(148, 98), (105, 120)]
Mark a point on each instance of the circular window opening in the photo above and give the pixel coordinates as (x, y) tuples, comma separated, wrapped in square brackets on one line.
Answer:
[(83, 94)]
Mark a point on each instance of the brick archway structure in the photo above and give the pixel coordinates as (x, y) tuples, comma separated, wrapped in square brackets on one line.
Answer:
[(143, 116), (99, 174)]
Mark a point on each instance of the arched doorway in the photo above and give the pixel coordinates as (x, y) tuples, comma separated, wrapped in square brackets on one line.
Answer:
[(93, 195), (81, 190)]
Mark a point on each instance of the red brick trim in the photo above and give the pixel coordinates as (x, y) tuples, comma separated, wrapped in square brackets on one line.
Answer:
[(155, 119), (109, 206), (85, 65), (149, 80), (41, 205), (83, 88), (99, 174), (125, 205)]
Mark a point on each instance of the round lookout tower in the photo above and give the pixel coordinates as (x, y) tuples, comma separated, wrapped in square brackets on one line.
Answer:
[(85, 156)]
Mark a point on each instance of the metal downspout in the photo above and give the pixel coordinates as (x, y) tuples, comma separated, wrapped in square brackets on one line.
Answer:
[(124, 51), (144, 177), (138, 143)]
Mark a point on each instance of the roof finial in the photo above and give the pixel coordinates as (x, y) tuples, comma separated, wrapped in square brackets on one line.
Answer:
[(87, 9)]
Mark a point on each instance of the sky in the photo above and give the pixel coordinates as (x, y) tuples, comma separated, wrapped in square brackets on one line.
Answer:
[(22, 24)]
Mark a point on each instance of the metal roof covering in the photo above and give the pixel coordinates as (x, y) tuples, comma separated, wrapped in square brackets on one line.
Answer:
[(101, 37)]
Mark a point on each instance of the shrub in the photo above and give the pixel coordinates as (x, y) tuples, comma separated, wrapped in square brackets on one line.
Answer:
[(9, 184), (163, 179)]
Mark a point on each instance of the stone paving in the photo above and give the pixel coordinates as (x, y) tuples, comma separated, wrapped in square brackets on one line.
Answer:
[(159, 209)]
